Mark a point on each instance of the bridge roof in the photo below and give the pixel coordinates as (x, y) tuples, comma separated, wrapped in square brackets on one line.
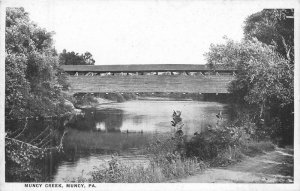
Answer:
[(142, 68)]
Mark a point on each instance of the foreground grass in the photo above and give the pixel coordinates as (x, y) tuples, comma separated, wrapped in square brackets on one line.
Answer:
[(160, 171), (233, 155), (255, 148)]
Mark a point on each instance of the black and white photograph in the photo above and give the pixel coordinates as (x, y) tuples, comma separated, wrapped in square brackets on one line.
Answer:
[(150, 91)]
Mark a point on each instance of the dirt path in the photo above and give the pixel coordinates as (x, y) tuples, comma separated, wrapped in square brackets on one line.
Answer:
[(271, 167)]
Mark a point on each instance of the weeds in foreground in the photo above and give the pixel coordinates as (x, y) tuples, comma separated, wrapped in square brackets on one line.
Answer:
[(155, 172)]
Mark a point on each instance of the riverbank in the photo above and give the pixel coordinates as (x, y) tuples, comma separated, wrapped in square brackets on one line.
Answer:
[(83, 100), (97, 102), (271, 167), (162, 99)]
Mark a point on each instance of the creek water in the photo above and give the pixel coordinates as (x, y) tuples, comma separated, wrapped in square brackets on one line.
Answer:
[(126, 128)]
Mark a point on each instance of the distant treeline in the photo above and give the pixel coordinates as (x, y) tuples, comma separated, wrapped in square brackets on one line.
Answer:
[(72, 58)]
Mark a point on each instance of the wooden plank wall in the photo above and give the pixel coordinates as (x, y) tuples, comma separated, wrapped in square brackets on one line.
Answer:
[(150, 83), (145, 68)]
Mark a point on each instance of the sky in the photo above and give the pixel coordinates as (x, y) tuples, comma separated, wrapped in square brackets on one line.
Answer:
[(141, 32)]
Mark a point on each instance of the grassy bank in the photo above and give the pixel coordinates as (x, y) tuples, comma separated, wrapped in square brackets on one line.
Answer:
[(165, 165), (157, 171)]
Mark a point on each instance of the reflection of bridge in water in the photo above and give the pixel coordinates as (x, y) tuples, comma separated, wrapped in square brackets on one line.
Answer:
[(185, 78)]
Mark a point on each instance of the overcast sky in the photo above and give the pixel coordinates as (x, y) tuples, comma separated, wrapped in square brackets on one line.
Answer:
[(141, 32)]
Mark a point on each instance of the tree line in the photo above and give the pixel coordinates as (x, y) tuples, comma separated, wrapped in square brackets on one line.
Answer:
[(265, 63)]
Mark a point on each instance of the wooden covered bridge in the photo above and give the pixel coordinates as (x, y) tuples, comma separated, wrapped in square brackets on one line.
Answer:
[(185, 78)]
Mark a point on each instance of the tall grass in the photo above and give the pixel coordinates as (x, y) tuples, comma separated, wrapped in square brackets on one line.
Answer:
[(253, 148), (158, 171)]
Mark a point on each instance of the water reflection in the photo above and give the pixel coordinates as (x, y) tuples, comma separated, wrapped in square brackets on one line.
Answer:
[(106, 120), (149, 116), (119, 127)]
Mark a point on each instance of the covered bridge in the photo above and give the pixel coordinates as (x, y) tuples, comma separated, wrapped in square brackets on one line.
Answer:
[(186, 78)]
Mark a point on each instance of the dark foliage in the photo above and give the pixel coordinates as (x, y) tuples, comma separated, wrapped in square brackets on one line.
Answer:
[(33, 81), (265, 71), (273, 27), (72, 58)]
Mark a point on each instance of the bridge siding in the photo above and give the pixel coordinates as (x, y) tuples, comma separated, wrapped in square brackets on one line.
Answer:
[(144, 68), (151, 83)]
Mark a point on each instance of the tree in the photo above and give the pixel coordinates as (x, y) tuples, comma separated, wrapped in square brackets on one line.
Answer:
[(88, 58), (223, 54), (264, 78), (33, 83), (265, 67), (273, 27), (72, 58), (262, 73), (32, 87)]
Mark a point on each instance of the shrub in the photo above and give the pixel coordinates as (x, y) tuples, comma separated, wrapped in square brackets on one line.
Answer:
[(85, 100), (224, 145), (216, 143)]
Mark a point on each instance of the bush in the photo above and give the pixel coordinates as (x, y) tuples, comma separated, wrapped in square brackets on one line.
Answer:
[(224, 145), (85, 100), (217, 143)]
